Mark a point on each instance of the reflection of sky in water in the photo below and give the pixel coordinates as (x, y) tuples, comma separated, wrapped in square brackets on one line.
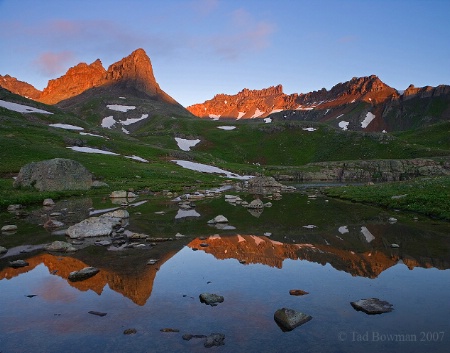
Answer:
[(252, 294)]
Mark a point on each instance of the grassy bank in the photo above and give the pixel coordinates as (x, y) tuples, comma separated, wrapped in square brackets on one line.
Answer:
[(427, 196)]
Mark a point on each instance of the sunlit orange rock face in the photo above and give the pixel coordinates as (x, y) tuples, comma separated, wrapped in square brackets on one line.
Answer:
[(137, 285), (77, 80), (132, 72), (19, 87), (249, 104)]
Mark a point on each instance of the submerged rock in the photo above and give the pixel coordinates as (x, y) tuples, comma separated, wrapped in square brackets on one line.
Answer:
[(83, 274), (3, 250), (214, 339), (288, 319), (18, 263), (297, 292), (372, 306), (211, 299)]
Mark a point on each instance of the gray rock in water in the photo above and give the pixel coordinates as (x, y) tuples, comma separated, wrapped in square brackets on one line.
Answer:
[(18, 263), (54, 175), (372, 306), (60, 246), (9, 228), (211, 299), (83, 274), (288, 319), (256, 204), (3, 250), (93, 227), (214, 339)]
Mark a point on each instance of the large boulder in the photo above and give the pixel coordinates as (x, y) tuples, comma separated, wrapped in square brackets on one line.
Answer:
[(54, 175), (93, 227)]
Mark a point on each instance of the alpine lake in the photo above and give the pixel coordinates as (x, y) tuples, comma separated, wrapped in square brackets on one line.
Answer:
[(335, 251)]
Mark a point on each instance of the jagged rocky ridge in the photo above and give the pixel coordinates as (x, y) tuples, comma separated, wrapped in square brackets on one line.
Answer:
[(364, 103)]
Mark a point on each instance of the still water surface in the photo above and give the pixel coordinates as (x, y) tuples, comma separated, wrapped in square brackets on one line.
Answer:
[(345, 257)]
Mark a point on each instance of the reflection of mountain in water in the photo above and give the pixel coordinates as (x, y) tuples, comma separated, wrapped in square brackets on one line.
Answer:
[(370, 261), (135, 284)]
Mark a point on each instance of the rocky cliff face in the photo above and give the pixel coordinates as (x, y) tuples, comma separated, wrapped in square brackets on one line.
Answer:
[(77, 80), (19, 87), (132, 73), (261, 103), (364, 103)]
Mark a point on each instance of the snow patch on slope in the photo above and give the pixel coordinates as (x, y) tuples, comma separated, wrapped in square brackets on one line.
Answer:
[(21, 108), (185, 145), (367, 120)]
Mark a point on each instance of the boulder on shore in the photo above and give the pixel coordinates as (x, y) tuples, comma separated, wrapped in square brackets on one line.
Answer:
[(56, 174)]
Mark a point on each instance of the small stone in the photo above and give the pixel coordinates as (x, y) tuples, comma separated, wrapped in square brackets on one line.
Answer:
[(204, 245), (169, 330), (288, 319), (372, 306), (98, 313), (214, 339), (9, 228), (242, 261), (18, 263), (130, 331), (188, 336), (152, 261), (211, 299), (103, 242), (395, 246), (218, 219), (392, 220), (16, 207), (3, 250), (53, 223), (297, 292)]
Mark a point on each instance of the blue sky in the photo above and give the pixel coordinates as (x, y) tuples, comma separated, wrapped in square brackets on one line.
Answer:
[(199, 48)]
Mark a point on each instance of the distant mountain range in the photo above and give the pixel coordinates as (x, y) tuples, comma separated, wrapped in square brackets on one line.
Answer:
[(364, 103)]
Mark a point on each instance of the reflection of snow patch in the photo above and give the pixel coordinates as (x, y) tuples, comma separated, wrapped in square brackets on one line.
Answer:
[(343, 229), (339, 116), (20, 108), (300, 107), (187, 213), (122, 97), (257, 240), (136, 158), (121, 108), (66, 126), (369, 236), (226, 127), (367, 120), (344, 125), (240, 238), (91, 150), (267, 120), (125, 131), (311, 129), (209, 169), (108, 122), (185, 145), (240, 115), (310, 226)]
